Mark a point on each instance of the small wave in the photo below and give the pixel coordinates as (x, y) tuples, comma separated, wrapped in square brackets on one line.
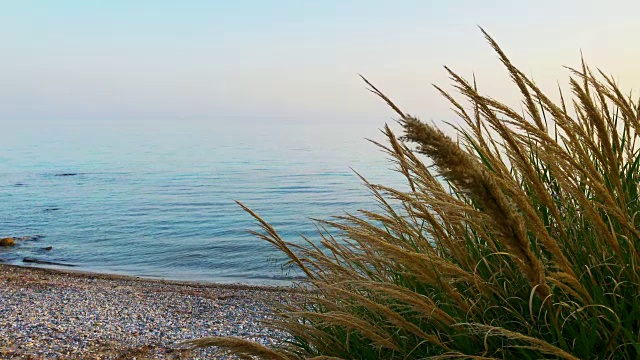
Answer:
[(277, 277), (45, 262)]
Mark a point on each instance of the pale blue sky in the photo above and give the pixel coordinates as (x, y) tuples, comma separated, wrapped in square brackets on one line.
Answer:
[(141, 60)]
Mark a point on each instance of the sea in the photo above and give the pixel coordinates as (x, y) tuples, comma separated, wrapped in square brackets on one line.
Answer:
[(156, 199)]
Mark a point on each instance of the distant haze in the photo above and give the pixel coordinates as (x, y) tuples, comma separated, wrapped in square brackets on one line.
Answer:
[(124, 62)]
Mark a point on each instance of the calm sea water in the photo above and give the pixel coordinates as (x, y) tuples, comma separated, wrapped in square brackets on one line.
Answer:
[(157, 200)]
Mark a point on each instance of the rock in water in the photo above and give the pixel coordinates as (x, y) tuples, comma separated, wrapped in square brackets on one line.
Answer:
[(48, 248), (7, 242), (30, 237)]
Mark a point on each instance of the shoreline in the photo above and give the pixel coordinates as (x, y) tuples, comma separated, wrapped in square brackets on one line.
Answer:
[(110, 276), (51, 313)]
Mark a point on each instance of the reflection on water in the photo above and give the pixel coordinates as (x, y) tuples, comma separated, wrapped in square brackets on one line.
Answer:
[(159, 202)]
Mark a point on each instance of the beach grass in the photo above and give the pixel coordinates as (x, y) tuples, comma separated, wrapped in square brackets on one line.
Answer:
[(516, 239)]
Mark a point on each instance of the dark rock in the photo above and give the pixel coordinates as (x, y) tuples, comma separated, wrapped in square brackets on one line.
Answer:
[(48, 248), (66, 174), (44, 262)]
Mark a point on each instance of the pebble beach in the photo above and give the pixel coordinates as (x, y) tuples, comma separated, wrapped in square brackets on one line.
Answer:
[(52, 314)]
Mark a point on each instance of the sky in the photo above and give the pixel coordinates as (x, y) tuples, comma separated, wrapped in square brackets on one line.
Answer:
[(128, 62)]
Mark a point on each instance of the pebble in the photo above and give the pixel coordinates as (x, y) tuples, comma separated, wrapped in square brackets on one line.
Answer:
[(46, 314)]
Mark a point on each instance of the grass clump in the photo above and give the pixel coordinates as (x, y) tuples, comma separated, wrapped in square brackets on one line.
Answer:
[(517, 240)]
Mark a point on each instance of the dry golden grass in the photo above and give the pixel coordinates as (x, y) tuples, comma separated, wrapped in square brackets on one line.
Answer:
[(519, 239)]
